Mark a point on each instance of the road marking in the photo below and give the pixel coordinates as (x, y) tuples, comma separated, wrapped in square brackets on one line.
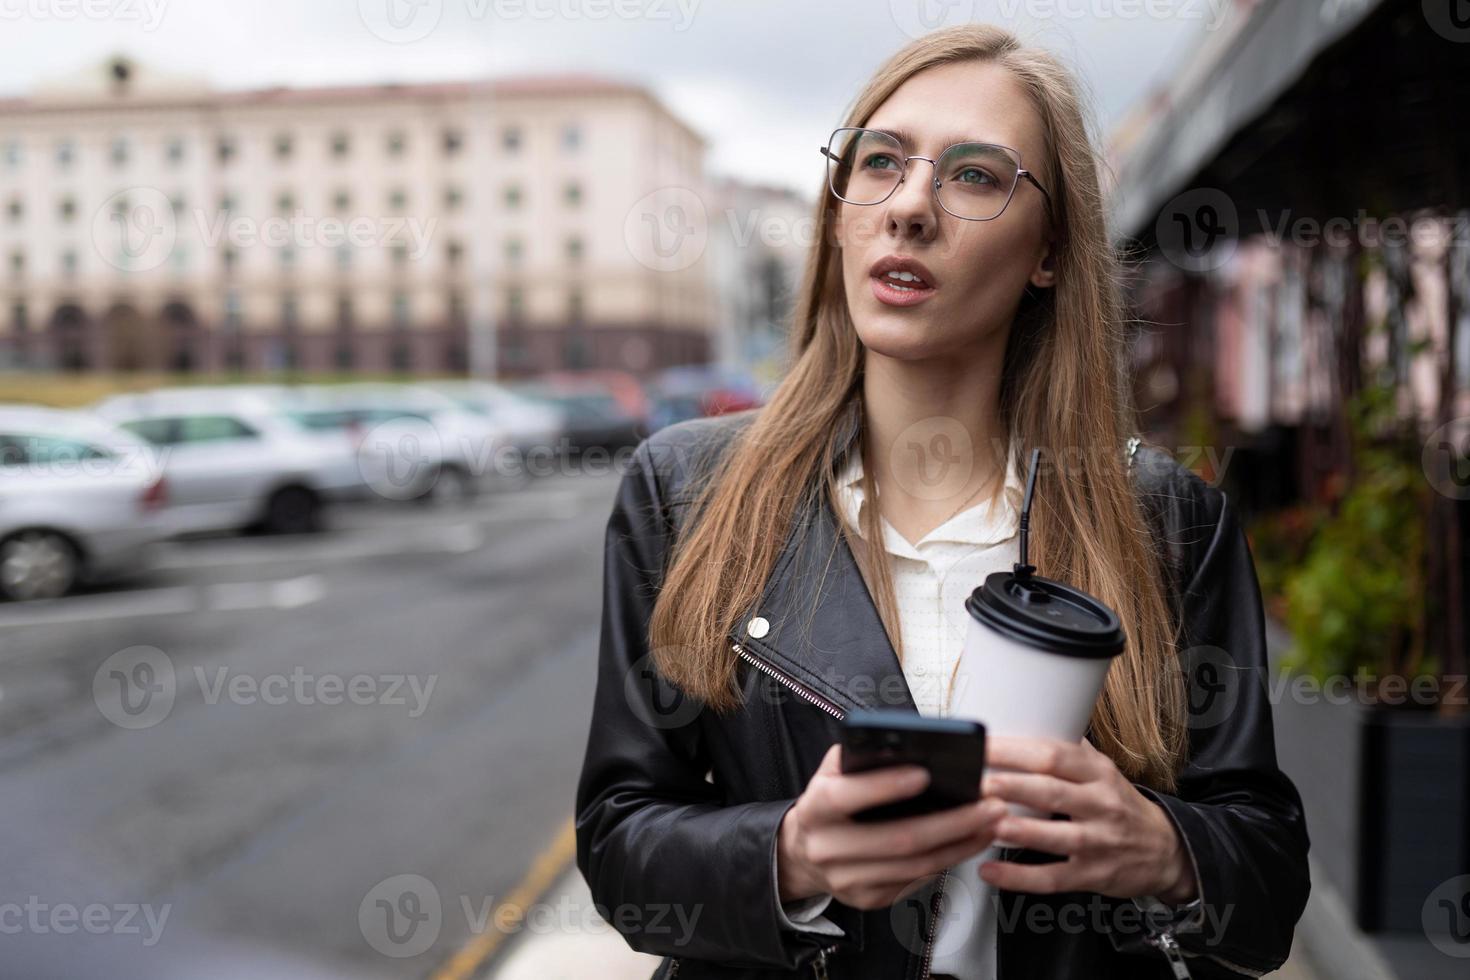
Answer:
[(176, 600), (544, 872)]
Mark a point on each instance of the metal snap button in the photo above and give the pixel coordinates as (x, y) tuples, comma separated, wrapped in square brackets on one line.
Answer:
[(758, 627)]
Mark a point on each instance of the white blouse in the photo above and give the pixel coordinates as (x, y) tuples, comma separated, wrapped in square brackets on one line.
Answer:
[(931, 580)]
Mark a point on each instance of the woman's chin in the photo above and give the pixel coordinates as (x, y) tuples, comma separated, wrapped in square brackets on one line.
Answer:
[(911, 339)]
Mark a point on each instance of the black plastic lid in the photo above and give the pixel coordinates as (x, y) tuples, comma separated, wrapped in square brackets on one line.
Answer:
[(1047, 615)]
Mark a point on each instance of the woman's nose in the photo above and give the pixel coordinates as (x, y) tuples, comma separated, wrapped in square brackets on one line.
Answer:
[(911, 209)]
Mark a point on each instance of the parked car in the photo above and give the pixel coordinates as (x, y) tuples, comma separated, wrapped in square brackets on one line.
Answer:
[(235, 461), (696, 391), (526, 422), (593, 415), (413, 442), (79, 501)]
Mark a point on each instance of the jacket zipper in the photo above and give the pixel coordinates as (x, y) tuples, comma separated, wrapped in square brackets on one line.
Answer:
[(786, 680), (933, 929)]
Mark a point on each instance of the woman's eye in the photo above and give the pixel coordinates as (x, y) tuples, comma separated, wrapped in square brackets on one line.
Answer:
[(878, 161), (972, 175)]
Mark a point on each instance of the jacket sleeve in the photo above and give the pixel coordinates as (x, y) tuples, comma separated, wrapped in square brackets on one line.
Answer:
[(670, 865), (1239, 815)]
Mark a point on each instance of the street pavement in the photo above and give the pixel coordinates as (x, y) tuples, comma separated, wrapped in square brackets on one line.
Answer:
[(372, 734)]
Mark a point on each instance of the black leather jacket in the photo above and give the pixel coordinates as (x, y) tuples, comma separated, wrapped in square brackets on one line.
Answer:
[(677, 807)]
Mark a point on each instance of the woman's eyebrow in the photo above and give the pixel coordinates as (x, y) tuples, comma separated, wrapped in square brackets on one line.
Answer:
[(906, 139)]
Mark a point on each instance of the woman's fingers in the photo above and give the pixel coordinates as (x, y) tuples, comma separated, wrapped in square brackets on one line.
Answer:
[(1046, 756), (892, 872), (907, 836), (1045, 793), (1061, 837), (839, 795)]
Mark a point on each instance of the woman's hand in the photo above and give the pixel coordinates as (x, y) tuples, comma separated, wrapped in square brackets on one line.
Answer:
[(1118, 842), (822, 850)]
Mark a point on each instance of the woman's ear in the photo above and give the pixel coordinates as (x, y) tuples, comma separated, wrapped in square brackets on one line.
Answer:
[(1045, 273)]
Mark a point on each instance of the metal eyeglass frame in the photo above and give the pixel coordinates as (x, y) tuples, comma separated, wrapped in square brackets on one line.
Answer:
[(904, 172)]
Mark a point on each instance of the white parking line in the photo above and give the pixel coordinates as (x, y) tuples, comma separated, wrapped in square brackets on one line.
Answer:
[(174, 601)]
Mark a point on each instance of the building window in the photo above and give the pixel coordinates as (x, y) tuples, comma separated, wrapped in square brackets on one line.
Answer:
[(66, 154), (12, 153), (571, 138), (20, 320), (285, 203), (15, 210), (514, 249), (181, 258), (576, 305), (397, 199), (510, 139), (400, 311), (399, 254), (344, 257), (290, 315), (67, 209), (341, 145), (69, 263), (17, 263), (453, 141), (572, 193), (173, 151), (118, 154), (226, 203), (224, 150), (397, 142), (453, 253), (230, 259), (284, 146), (176, 203), (453, 198), (342, 200), (575, 249), (515, 304), (288, 259), (513, 196), (346, 313)]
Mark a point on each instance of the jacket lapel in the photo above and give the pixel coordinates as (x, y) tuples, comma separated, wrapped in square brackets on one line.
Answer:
[(816, 619)]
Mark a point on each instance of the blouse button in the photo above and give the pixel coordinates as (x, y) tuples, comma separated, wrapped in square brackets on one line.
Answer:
[(758, 627)]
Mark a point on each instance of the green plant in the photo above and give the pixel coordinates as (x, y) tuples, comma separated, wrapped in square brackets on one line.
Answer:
[(1356, 603)]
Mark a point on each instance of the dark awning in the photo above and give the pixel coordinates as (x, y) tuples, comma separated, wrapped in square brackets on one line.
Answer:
[(1315, 108)]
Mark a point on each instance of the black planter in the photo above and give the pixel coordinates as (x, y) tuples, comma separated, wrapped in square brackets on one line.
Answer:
[(1413, 813)]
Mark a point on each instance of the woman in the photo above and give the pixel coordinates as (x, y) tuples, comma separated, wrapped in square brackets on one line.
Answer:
[(949, 322)]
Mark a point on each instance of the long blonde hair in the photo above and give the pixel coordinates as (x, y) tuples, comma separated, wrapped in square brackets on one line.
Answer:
[(1063, 385)]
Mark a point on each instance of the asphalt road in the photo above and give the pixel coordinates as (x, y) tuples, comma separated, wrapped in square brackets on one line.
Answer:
[(226, 766)]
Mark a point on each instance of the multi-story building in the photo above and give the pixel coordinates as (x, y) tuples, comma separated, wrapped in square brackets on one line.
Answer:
[(151, 223)]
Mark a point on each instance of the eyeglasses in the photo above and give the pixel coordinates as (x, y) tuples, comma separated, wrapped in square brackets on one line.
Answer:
[(973, 181)]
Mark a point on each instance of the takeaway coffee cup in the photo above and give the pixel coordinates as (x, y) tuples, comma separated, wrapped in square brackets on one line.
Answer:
[(1036, 651)]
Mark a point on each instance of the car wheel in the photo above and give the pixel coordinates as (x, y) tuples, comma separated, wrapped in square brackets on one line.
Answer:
[(293, 510), (37, 565), (453, 486)]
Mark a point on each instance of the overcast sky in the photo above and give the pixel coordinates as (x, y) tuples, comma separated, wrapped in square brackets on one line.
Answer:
[(763, 80)]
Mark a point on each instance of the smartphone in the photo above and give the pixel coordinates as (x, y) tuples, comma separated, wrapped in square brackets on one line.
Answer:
[(951, 749)]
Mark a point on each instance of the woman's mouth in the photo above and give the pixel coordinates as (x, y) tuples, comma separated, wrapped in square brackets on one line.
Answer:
[(900, 289)]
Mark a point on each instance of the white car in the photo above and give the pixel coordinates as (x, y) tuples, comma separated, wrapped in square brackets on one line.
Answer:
[(235, 460), (413, 443), (530, 426), (79, 501)]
